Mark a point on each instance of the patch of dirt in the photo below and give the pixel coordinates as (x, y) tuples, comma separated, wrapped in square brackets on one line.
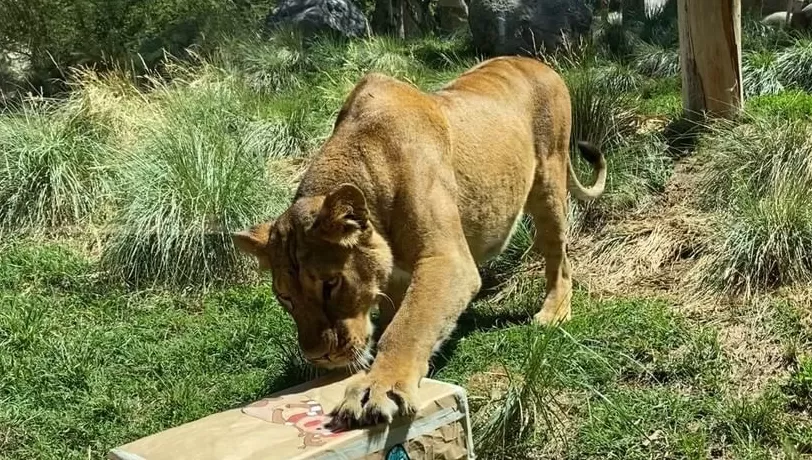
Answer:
[(647, 253)]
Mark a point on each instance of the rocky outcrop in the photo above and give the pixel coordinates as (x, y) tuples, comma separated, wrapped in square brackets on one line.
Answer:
[(313, 17), (508, 27)]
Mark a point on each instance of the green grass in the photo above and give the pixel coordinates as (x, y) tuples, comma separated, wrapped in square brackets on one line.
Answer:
[(208, 146), (789, 105), (86, 366), (623, 379)]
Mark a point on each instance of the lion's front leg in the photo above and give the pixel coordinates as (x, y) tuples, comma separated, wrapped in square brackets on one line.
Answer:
[(441, 288)]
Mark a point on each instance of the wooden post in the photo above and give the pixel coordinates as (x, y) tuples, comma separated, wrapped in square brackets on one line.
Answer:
[(710, 49)]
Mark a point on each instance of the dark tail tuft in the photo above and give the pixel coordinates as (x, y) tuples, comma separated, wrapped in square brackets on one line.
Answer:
[(590, 153)]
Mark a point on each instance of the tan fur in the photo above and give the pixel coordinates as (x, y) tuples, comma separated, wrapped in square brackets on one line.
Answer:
[(425, 186)]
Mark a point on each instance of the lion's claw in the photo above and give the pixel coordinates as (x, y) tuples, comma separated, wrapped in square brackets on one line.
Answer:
[(371, 401)]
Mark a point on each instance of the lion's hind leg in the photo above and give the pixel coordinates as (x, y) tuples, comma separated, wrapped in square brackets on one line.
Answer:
[(547, 204)]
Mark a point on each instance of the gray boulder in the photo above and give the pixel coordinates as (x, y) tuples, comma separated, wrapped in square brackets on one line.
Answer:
[(314, 17), (803, 19), (777, 19), (509, 27), (769, 7)]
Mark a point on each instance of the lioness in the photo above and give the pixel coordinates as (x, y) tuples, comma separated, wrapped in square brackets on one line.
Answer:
[(410, 192)]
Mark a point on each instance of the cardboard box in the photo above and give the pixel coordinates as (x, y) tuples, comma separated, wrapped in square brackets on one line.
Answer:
[(290, 425)]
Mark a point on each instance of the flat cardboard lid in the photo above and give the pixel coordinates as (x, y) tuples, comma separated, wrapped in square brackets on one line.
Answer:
[(290, 425)]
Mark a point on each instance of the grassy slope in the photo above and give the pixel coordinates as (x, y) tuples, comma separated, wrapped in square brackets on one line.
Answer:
[(87, 365)]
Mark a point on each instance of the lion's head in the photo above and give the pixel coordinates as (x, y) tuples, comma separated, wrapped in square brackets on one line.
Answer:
[(329, 266)]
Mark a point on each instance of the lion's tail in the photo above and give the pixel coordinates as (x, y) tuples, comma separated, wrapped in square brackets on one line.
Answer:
[(598, 162)]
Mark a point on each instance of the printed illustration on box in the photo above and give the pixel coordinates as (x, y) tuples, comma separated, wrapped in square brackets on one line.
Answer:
[(300, 412)]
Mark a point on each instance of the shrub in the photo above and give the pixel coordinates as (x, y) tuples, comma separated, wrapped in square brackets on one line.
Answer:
[(52, 169), (58, 34), (190, 182), (757, 177), (760, 74), (795, 65)]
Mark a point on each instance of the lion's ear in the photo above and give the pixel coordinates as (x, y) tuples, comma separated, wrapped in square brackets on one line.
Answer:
[(343, 217), (253, 240)]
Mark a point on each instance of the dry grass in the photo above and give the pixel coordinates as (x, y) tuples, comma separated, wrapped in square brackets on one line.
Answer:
[(649, 251)]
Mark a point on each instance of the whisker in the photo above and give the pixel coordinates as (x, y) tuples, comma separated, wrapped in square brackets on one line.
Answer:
[(383, 294)]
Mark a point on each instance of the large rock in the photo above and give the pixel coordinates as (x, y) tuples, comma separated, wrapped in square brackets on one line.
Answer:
[(803, 19), (319, 16), (507, 27), (769, 7), (800, 20)]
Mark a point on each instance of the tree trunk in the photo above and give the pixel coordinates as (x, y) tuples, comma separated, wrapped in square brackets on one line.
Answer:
[(752, 7), (710, 49), (633, 9), (400, 18), (388, 18)]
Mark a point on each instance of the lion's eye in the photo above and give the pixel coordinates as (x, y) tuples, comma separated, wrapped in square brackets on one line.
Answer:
[(329, 286)]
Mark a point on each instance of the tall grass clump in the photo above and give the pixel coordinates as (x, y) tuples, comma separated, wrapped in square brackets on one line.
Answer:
[(758, 37), (658, 26), (619, 78), (760, 74), (510, 260), (268, 65), (757, 180), (599, 114), (656, 61), (795, 65), (528, 407), (190, 182), (52, 167)]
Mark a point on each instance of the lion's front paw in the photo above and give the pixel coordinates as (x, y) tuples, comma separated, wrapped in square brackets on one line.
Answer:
[(375, 399)]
